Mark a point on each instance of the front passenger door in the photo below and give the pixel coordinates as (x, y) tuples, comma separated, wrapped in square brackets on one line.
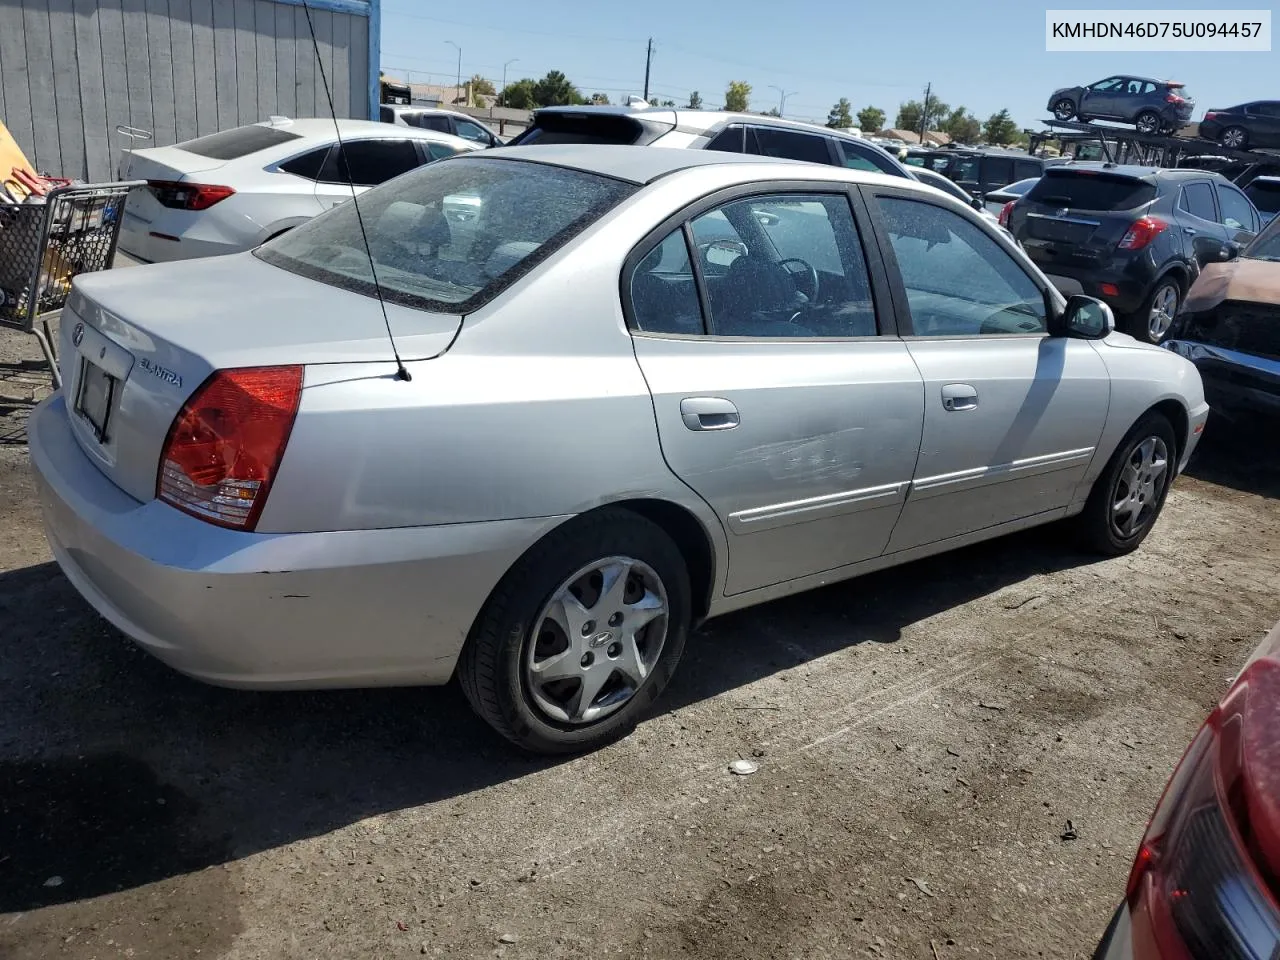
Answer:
[(1012, 415)]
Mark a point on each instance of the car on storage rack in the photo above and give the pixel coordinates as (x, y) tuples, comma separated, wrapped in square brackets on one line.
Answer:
[(1245, 126), (706, 130), (229, 191), (979, 172), (640, 389), (1134, 237), (1264, 192), (1153, 106)]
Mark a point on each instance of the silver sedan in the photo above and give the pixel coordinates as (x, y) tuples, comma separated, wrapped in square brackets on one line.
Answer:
[(615, 391)]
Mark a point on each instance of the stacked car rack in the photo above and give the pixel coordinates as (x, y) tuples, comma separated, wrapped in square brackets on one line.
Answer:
[(1125, 146)]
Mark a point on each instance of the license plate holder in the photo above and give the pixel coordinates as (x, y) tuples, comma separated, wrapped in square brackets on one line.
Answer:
[(93, 398)]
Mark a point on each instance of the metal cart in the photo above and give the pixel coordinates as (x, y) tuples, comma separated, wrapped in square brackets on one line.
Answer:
[(44, 246)]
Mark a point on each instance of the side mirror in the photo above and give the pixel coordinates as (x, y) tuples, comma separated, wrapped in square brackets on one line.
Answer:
[(1084, 318), (1230, 251), (979, 203)]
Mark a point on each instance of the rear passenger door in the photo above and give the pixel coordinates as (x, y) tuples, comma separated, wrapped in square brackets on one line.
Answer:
[(1197, 214), (1012, 416), (364, 164), (789, 405)]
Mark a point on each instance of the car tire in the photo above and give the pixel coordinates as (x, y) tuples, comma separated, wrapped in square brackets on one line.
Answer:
[(1064, 109), (1126, 500), (1234, 138), (1166, 295), (497, 669), (1148, 122)]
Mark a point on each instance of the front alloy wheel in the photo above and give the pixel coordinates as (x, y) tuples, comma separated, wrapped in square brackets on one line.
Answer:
[(1135, 497), (1064, 109)]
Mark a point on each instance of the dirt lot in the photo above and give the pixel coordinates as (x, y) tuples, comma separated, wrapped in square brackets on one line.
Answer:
[(925, 738)]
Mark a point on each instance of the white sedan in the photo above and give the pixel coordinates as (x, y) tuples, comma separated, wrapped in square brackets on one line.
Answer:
[(608, 392), (229, 191)]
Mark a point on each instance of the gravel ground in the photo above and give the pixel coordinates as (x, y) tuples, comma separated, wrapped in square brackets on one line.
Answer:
[(956, 759)]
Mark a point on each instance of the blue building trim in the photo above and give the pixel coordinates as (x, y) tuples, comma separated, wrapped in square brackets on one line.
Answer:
[(361, 8), (375, 57)]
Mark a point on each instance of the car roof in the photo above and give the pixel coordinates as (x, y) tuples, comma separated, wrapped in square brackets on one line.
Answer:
[(322, 129), (642, 165), (700, 121), (1137, 171)]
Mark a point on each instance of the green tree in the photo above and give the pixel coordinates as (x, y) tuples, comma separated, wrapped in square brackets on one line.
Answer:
[(555, 90), (481, 87), (1001, 129), (695, 101), (961, 126), (840, 115), (737, 98), (600, 99), (520, 95), (911, 115), (870, 119)]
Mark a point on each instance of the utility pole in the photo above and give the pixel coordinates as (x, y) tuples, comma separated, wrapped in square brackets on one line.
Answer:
[(504, 77), (452, 44), (648, 59), (782, 98), (924, 113)]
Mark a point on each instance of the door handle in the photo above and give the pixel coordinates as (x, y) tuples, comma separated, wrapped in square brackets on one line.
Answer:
[(959, 396), (708, 413), (1189, 231)]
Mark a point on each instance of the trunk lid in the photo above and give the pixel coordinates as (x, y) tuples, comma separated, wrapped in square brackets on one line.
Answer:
[(1078, 217), (159, 163), (136, 343)]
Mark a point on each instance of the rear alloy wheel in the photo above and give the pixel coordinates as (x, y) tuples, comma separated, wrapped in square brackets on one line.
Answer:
[(1128, 497), (1064, 109), (581, 636), (1234, 138), (1153, 321), (1147, 122)]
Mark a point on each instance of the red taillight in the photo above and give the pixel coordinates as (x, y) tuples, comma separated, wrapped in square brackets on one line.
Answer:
[(178, 195), (226, 443), (1210, 114), (1203, 884), (1005, 211), (1109, 289), (1142, 232), (1174, 98)]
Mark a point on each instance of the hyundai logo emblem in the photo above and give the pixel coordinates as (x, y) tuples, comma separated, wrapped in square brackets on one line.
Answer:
[(600, 639), (77, 334)]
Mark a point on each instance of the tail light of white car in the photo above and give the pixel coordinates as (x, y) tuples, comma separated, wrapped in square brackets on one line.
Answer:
[(1142, 232), (1007, 209), (1204, 883), (226, 443), (180, 195)]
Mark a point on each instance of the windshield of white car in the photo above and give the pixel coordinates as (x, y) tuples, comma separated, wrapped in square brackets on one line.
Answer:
[(448, 236)]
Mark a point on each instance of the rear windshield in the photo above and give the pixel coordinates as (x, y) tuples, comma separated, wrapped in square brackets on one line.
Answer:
[(1265, 195), (1086, 190), (448, 236), (568, 128), (237, 142)]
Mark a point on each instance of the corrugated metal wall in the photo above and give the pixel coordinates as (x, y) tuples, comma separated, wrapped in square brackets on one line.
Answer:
[(72, 70)]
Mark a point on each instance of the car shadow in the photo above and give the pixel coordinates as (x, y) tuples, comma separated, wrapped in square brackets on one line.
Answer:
[(1240, 454), (117, 772)]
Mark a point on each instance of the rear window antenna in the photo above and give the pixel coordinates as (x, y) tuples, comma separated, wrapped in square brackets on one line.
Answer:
[(402, 372)]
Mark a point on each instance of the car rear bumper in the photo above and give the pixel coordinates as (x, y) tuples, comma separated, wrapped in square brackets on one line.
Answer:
[(348, 608)]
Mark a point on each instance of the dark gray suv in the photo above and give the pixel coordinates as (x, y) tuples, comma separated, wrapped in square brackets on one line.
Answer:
[(1153, 106)]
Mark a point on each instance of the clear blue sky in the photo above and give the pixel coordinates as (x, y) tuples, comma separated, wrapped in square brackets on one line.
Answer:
[(983, 55)]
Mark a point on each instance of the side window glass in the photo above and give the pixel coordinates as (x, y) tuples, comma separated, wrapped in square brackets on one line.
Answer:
[(1237, 212), (473, 131), (308, 165), (997, 171), (773, 142), (428, 122), (728, 140), (1197, 200), (439, 151), (784, 266), (1025, 171), (960, 282), (1148, 87), (386, 115), (664, 294), (856, 159), (367, 163)]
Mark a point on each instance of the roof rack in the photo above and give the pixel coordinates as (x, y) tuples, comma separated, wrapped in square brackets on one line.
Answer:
[(1120, 145)]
